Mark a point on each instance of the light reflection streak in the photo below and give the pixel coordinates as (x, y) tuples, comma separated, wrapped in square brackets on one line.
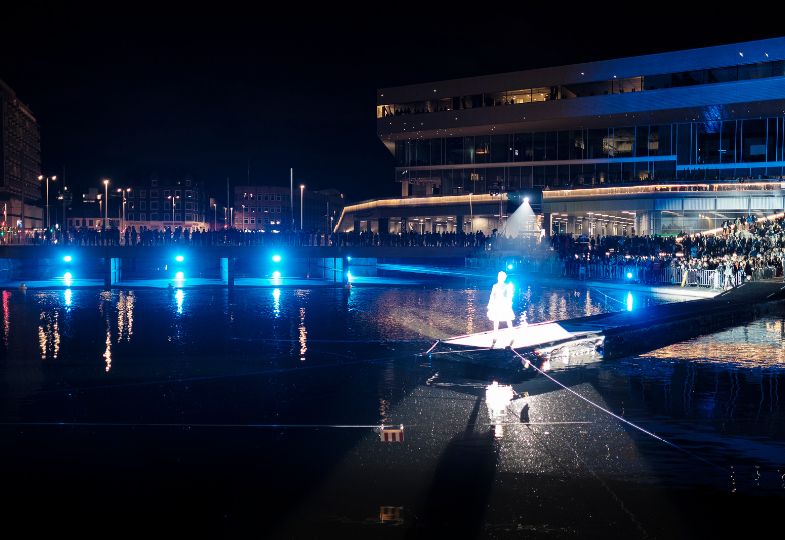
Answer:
[(104, 308), (49, 334), (277, 302), (498, 398), (303, 335), (67, 298), (107, 356), (470, 311), (179, 296), (125, 316), (6, 317)]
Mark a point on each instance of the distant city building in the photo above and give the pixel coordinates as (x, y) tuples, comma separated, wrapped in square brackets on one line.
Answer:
[(20, 163), (647, 144), (269, 208), (155, 205)]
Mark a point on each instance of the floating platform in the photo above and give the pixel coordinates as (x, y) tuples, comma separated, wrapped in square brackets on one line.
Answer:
[(614, 335)]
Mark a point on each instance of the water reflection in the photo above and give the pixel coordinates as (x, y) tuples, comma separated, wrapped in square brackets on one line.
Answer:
[(276, 303), (49, 334), (757, 345), (498, 398), (6, 317), (302, 335), (179, 296), (125, 316), (67, 298)]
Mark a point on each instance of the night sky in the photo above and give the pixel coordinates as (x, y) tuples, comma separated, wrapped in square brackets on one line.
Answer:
[(128, 95)]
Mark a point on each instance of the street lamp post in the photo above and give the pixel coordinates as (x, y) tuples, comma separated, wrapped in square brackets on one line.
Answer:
[(121, 213), (243, 222), (302, 187), (173, 197), (47, 179), (215, 216), (106, 198)]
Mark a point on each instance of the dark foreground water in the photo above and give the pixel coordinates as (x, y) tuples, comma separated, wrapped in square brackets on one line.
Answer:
[(256, 412)]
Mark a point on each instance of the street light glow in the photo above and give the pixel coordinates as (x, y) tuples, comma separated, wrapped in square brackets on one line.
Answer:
[(276, 258), (67, 258), (179, 258)]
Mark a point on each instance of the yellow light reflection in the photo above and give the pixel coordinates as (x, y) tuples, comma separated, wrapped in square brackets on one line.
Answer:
[(303, 333), (107, 356), (49, 334), (125, 316)]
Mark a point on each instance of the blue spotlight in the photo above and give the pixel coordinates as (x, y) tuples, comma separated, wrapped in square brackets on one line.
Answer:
[(629, 301), (68, 279), (629, 275), (179, 258), (68, 258), (349, 277), (179, 277), (348, 258), (509, 266), (276, 258), (276, 275)]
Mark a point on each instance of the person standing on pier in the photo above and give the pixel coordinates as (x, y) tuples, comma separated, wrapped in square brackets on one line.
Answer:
[(500, 303)]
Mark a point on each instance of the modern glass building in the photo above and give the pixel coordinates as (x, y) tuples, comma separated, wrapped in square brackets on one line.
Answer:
[(692, 120)]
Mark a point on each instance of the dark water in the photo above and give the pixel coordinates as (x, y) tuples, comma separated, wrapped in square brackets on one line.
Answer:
[(256, 411)]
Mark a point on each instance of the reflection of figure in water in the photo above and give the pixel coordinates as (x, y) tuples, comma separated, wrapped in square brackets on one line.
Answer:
[(500, 303)]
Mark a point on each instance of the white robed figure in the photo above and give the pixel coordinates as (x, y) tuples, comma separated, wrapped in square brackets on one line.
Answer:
[(500, 303)]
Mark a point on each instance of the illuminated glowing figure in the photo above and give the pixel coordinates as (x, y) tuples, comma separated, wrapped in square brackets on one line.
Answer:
[(500, 303)]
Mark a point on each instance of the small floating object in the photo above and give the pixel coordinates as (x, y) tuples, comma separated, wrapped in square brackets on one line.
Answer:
[(391, 433)]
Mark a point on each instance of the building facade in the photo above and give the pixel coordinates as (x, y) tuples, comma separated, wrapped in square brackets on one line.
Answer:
[(271, 208), (157, 204), (20, 163), (706, 116)]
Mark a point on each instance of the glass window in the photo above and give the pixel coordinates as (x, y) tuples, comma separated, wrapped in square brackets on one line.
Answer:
[(436, 152), (596, 139), (755, 71), (468, 150), (707, 145), (577, 143), (153, 205), (550, 145), (454, 150), (154, 217), (684, 144), (728, 149), (190, 194), (142, 217), (563, 146), (754, 145), (541, 94), (167, 193), (143, 205), (641, 141), (720, 75), (520, 96), (538, 146), (142, 193), (482, 149), (153, 193)]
